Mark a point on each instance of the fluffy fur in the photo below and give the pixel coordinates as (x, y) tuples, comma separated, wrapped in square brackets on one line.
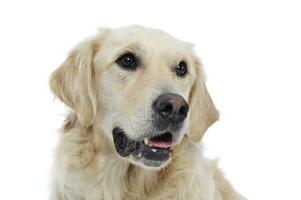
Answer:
[(101, 95)]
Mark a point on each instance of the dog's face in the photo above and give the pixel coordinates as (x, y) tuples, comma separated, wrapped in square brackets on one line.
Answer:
[(143, 88)]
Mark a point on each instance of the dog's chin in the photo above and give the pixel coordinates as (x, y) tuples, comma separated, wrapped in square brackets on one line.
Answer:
[(151, 153)]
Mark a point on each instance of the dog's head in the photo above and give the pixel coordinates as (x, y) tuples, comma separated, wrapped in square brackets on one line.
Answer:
[(141, 87)]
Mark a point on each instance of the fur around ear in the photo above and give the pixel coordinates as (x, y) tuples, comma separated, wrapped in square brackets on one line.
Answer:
[(74, 82), (203, 112)]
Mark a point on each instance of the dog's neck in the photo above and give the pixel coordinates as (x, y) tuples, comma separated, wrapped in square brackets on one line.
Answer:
[(129, 176)]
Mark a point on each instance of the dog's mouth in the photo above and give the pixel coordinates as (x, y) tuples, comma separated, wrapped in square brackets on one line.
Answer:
[(152, 151)]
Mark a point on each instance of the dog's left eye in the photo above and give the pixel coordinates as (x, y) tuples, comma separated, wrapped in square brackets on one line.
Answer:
[(181, 69), (128, 61)]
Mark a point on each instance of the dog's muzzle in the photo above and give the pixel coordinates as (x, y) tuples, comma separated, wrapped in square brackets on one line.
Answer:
[(154, 148)]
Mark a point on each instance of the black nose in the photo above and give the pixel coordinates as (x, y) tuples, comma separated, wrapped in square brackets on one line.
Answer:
[(172, 107)]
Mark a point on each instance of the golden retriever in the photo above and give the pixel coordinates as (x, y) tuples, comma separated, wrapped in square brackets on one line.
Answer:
[(139, 108)]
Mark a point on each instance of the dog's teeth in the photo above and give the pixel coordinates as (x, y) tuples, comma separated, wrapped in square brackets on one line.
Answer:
[(146, 141), (154, 150), (139, 155)]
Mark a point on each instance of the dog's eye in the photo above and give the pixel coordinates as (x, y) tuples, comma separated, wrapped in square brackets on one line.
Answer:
[(181, 69), (128, 61)]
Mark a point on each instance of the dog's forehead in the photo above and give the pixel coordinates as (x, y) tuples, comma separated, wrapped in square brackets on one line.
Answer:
[(146, 39)]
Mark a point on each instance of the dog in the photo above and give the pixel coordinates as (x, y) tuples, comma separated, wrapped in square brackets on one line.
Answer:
[(139, 108)]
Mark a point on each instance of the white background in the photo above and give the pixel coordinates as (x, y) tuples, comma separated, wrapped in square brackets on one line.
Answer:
[(251, 52)]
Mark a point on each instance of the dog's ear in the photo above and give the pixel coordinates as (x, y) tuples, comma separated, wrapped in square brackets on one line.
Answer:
[(202, 109), (74, 81)]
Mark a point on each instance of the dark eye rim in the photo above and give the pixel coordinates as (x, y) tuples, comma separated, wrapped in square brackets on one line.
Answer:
[(128, 66), (181, 69)]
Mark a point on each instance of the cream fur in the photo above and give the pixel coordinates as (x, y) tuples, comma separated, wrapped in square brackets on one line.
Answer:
[(101, 96)]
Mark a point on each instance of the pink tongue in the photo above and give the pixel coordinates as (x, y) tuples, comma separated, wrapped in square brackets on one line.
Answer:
[(160, 144)]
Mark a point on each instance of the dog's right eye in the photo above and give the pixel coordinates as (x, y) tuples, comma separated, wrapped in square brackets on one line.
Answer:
[(128, 61)]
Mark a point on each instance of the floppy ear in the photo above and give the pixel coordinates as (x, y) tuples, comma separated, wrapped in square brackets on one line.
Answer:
[(74, 81), (202, 110)]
